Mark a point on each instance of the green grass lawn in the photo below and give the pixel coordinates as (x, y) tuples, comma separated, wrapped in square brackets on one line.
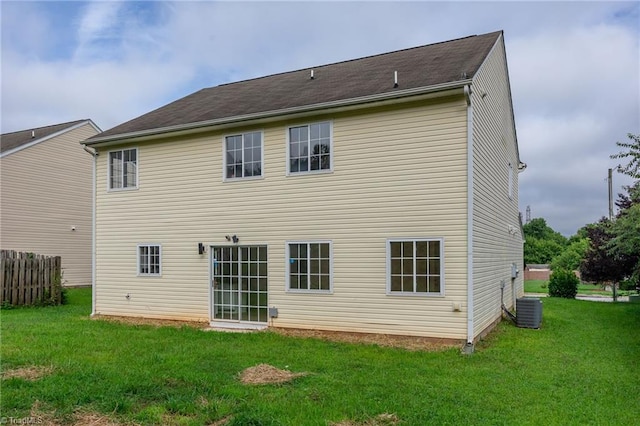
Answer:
[(580, 368), (541, 286)]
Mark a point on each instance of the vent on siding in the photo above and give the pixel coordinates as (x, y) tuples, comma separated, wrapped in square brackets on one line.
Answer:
[(528, 312)]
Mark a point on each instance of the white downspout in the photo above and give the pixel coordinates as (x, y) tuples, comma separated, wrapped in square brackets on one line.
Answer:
[(94, 153), (470, 325)]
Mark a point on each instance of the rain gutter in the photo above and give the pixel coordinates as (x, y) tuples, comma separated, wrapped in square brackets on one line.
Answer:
[(470, 313), (342, 105)]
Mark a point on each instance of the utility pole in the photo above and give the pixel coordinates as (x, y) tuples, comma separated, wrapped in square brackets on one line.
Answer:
[(528, 214), (610, 181)]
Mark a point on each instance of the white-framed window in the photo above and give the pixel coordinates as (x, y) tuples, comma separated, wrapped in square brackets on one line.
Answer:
[(149, 259), (309, 148), (510, 182), (309, 266), (415, 266), (243, 155), (123, 169)]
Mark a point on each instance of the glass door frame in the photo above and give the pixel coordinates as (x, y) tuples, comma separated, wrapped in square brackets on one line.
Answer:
[(247, 267)]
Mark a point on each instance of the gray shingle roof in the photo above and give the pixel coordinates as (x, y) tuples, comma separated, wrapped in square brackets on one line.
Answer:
[(417, 67), (9, 141)]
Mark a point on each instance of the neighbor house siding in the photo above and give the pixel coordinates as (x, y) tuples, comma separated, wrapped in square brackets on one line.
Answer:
[(497, 241), (46, 190), (397, 172)]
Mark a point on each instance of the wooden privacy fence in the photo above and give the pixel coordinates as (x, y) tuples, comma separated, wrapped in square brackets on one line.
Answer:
[(30, 279)]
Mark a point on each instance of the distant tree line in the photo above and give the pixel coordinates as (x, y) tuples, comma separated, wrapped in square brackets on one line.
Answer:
[(607, 251)]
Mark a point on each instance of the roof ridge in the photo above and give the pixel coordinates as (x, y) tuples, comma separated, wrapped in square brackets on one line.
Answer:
[(351, 60), (427, 67), (44, 127)]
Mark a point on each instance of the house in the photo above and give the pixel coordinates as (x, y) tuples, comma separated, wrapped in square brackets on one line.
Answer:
[(46, 195), (376, 195), (537, 272)]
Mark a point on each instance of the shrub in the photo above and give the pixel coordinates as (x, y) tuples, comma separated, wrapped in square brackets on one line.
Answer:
[(629, 285), (563, 283)]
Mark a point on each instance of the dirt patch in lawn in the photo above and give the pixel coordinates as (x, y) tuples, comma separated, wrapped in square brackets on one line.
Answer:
[(42, 417), (222, 421), (152, 321), (412, 343), (265, 373), (93, 419), (383, 419), (30, 373)]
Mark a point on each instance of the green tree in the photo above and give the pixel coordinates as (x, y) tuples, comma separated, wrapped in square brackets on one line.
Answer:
[(538, 228), (625, 241), (542, 243), (600, 265), (571, 256), (537, 251), (631, 151)]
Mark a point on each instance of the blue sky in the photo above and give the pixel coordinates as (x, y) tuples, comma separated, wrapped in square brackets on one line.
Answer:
[(574, 69)]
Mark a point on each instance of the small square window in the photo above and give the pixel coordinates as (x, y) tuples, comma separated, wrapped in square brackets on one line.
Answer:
[(415, 267), (310, 148), (149, 259), (309, 266), (243, 155)]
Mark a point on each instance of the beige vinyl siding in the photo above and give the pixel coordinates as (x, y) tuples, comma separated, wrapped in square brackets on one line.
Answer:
[(46, 190), (397, 172), (495, 248)]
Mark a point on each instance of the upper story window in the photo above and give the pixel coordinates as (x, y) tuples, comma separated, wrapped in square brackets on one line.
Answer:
[(149, 258), (310, 148), (123, 169), (309, 266), (510, 183), (415, 267), (243, 155)]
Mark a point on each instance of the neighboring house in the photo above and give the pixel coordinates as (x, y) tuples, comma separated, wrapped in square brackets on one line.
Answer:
[(46, 194), (537, 272), (375, 195)]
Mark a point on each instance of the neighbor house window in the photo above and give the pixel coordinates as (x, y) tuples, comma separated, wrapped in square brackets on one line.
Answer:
[(149, 259), (310, 148), (123, 169), (309, 266), (415, 266), (243, 155)]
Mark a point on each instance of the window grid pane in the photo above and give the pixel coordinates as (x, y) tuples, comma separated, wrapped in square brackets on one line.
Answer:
[(415, 266), (149, 260), (310, 148), (239, 283), (243, 155), (123, 169), (309, 266)]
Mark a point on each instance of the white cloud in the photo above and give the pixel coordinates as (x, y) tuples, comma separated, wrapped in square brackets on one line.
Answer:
[(574, 68), (577, 92)]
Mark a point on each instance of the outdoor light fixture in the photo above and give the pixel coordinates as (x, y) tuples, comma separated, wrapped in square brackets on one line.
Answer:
[(233, 238), (201, 248)]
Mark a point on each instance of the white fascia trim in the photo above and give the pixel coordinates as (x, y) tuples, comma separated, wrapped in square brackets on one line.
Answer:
[(281, 112), (53, 135), (470, 313)]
